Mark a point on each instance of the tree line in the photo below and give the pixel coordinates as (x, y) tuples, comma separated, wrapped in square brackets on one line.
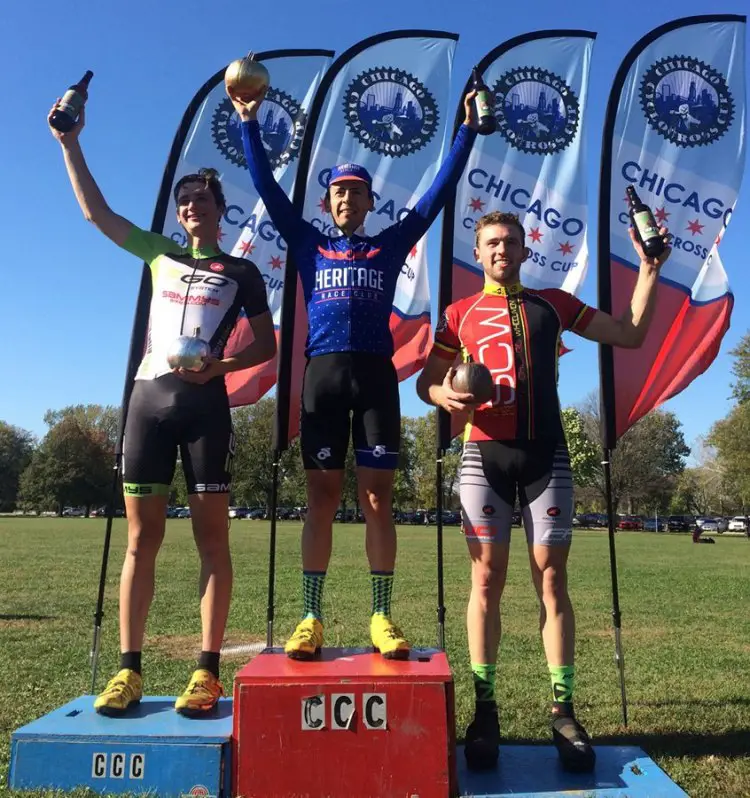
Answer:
[(73, 463)]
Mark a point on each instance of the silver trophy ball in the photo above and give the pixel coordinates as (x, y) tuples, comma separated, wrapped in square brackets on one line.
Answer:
[(188, 352)]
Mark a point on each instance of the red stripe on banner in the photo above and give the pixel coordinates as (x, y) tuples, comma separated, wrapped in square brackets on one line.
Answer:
[(246, 387), (681, 343), (412, 339), (465, 282)]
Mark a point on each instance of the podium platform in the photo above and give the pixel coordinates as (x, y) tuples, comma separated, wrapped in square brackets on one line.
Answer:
[(150, 749), (533, 771), (349, 723)]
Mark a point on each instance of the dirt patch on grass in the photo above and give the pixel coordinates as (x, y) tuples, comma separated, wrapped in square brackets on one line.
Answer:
[(636, 632), (239, 648), (11, 621)]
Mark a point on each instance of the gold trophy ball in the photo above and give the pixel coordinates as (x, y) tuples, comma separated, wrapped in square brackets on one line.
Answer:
[(246, 79)]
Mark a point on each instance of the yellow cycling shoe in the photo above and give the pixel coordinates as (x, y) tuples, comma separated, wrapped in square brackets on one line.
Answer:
[(387, 638), (122, 691), (201, 695), (306, 641)]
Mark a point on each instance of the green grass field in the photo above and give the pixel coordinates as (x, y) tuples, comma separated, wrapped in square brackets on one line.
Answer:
[(686, 630)]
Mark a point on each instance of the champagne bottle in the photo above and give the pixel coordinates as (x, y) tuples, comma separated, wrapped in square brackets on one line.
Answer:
[(484, 104), (644, 224), (68, 109)]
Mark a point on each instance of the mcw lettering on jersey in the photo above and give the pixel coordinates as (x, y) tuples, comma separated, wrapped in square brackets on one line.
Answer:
[(188, 293), (496, 352), (515, 332)]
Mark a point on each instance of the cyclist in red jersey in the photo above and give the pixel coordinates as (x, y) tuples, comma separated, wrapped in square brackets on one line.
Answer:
[(515, 445)]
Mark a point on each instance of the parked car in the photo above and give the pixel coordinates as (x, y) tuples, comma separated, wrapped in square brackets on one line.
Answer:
[(183, 512), (632, 522), (709, 525), (681, 523), (737, 524), (655, 525), (593, 520)]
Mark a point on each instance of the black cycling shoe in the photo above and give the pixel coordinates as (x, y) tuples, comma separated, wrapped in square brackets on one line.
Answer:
[(482, 739), (573, 745)]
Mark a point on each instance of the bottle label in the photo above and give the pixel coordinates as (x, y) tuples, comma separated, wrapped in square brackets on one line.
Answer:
[(71, 103), (645, 225), (484, 103)]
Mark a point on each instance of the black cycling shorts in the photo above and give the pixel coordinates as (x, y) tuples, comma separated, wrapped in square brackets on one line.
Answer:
[(355, 391), (166, 414), (539, 470)]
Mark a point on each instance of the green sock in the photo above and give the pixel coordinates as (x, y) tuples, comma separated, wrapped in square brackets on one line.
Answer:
[(382, 588), (563, 678), (312, 594), (484, 682)]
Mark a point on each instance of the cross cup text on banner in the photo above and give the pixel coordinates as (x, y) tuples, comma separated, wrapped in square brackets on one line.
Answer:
[(675, 129), (214, 140), (383, 106)]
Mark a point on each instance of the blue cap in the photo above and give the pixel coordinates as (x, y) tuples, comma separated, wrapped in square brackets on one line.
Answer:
[(350, 171)]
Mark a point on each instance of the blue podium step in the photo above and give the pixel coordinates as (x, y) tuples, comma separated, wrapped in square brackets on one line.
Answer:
[(533, 771), (150, 749)]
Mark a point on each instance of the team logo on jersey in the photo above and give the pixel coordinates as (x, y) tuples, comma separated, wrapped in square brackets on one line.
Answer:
[(686, 101), (488, 509), (216, 266), (553, 512), (282, 126), (324, 453), (536, 110), (390, 111)]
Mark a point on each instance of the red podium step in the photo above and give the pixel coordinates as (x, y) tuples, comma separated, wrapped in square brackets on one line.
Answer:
[(349, 723)]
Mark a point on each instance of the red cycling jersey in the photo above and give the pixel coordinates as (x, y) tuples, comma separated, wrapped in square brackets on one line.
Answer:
[(515, 332)]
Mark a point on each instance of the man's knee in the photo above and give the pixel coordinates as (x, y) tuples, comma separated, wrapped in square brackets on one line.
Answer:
[(488, 579), (323, 491), (554, 584), (144, 541)]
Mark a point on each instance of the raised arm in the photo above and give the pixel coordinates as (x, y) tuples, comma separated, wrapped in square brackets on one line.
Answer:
[(630, 329), (424, 213), (287, 221), (89, 196)]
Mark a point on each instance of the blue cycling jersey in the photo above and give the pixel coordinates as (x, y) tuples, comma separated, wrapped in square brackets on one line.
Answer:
[(349, 281)]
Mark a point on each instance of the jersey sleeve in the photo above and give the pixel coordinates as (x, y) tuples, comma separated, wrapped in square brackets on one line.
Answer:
[(254, 298), (148, 246), (290, 224), (574, 314), (447, 343)]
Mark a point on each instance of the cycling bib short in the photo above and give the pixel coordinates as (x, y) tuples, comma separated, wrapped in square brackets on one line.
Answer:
[(492, 472), (365, 385), (167, 414)]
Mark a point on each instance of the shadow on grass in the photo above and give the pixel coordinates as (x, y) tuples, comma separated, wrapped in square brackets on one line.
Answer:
[(727, 745), (27, 617)]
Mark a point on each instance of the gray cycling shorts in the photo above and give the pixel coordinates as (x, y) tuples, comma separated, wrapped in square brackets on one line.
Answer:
[(538, 472)]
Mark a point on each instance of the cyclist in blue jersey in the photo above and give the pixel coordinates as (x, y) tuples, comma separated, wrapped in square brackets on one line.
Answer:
[(198, 286), (349, 280)]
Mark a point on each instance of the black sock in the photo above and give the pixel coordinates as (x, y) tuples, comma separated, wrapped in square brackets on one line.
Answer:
[(562, 709), (131, 660), (210, 661)]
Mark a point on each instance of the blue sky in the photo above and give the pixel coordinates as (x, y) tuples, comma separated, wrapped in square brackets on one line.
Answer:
[(67, 315)]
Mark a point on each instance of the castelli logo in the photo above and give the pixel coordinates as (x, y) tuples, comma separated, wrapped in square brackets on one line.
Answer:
[(216, 267), (553, 511)]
